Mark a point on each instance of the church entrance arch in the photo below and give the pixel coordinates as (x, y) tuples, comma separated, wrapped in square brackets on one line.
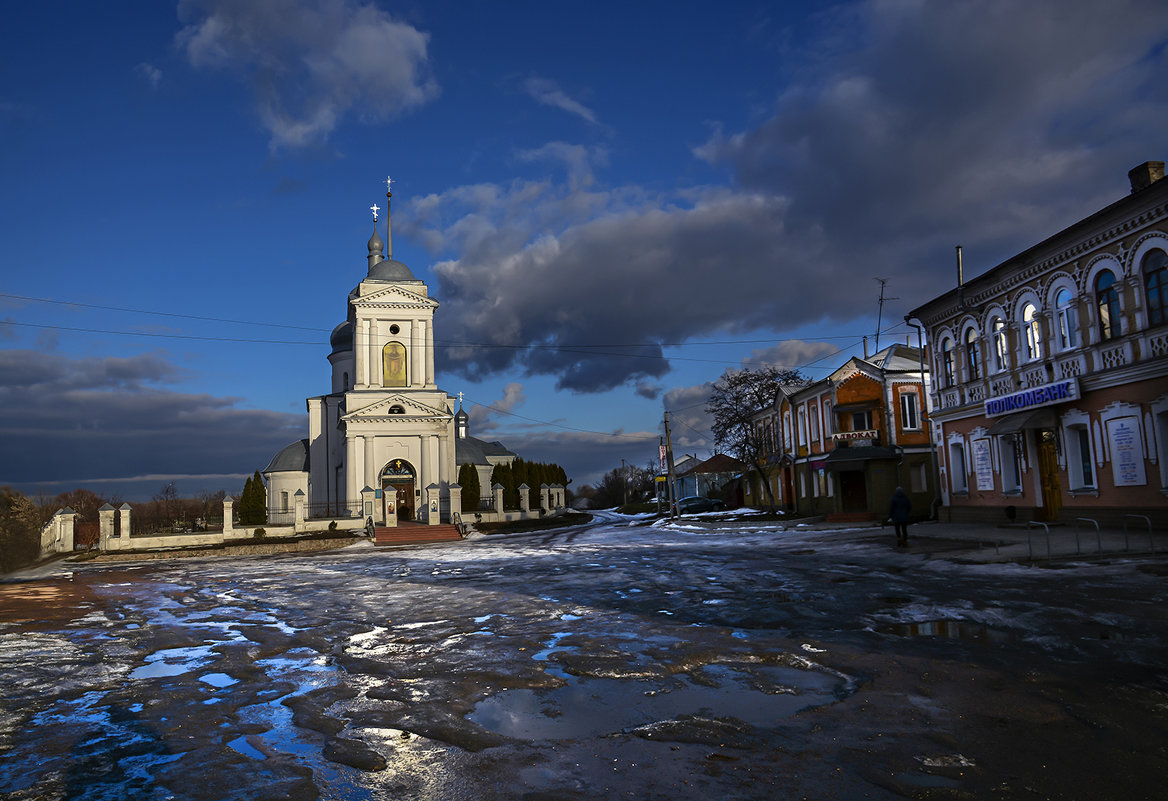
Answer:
[(398, 480)]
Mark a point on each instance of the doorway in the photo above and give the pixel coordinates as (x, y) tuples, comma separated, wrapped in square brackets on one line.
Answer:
[(398, 481), (853, 491), (1048, 470)]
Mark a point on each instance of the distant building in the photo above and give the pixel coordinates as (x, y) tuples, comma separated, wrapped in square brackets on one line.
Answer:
[(383, 441), (709, 477), (1051, 399), (842, 445), (485, 456)]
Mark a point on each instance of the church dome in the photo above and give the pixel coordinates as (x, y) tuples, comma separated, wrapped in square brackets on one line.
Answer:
[(342, 337), (292, 457), (390, 270)]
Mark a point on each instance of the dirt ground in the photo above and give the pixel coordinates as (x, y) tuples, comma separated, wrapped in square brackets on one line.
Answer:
[(610, 661)]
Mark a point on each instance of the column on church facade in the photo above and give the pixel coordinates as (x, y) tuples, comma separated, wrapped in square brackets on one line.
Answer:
[(354, 478), (444, 476), (429, 347), (417, 334), (370, 467)]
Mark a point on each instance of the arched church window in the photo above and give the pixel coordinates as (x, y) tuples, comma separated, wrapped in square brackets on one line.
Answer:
[(1107, 299), (1155, 269), (345, 381), (396, 410), (947, 361), (393, 364)]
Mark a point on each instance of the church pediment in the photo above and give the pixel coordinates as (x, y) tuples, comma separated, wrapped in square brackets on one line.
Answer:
[(397, 407), (394, 297)]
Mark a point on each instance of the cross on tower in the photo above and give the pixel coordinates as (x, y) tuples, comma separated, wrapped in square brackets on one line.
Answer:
[(374, 208), (388, 185), (460, 400)]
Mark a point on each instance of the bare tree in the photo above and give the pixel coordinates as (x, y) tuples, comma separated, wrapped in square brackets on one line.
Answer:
[(166, 496), (736, 398)]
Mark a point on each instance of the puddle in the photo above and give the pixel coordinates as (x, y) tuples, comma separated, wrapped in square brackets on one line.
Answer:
[(592, 707), (174, 662), (241, 745), (949, 629), (219, 680)]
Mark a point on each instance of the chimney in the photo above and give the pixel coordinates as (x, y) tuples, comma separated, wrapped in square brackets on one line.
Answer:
[(1145, 175), (865, 347)]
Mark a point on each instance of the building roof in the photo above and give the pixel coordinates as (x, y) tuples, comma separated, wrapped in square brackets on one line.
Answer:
[(390, 270), (718, 463), (470, 450), (292, 458), (342, 337)]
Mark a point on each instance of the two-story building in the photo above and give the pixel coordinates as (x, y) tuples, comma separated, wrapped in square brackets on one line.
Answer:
[(842, 445), (1051, 398)]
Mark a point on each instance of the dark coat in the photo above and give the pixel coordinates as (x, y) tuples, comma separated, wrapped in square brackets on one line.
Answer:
[(900, 507)]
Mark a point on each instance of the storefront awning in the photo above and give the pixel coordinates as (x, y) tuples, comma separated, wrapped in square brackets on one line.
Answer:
[(854, 458), (1013, 423)]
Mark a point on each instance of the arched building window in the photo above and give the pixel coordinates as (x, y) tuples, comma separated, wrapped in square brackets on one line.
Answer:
[(1033, 333), (998, 332), (947, 361), (1068, 320), (1155, 270), (393, 364), (1107, 301), (973, 354)]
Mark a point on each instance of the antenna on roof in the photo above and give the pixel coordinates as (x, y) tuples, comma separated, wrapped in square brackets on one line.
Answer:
[(880, 312)]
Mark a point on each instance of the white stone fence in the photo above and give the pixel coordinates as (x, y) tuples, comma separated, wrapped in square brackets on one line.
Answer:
[(551, 499), (57, 535)]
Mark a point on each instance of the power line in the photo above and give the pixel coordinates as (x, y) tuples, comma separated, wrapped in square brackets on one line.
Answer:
[(560, 425)]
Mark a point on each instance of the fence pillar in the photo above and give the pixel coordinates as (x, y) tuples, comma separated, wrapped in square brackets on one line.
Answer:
[(371, 510), (105, 519), (543, 498), (455, 500), (124, 522), (524, 498), (298, 510), (557, 496), (497, 488), (433, 505), (228, 523), (65, 540)]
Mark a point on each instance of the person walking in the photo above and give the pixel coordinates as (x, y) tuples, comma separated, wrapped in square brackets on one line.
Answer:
[(898, 511)]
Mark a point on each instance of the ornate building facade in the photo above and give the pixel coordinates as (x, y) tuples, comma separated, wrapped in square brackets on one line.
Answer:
[(1051, 391)]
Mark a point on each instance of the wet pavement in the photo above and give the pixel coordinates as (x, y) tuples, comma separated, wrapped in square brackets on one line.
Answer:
[(701, 658)]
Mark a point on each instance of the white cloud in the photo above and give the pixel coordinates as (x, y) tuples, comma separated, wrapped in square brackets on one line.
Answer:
[(549, 93), (311, 63), (150, 74)]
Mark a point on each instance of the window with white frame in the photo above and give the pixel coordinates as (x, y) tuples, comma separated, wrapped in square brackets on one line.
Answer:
[(958, 476), (787, 429), (947, 365), (1033, 333), (1107, 302), (283, 501), (972, 355), (910, 414), (1010, 453), (828, 420), (998, 332), (1155, 271), (1068, 319), (1080, 465), (813, 421), (802, 425), (861, 421)]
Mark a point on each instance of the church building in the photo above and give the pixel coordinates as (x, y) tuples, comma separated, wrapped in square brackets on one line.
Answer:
[(382, 443)]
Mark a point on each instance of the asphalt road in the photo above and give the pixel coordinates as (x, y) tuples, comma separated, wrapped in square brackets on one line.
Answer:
[(685, 660)]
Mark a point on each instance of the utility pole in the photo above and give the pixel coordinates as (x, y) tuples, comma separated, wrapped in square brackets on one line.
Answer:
[(880, 312), (625, 481), (669, 466)]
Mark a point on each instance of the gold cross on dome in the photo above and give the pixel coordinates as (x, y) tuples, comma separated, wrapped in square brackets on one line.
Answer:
[(374, 208)]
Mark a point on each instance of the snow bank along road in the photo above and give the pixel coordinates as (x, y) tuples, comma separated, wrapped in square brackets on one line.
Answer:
[(620, 660)]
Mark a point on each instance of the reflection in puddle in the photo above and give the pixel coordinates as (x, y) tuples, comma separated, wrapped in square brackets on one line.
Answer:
[(591, 707), (174, 662), (949, 629)]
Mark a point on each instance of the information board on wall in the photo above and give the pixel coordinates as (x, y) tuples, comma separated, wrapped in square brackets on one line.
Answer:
[(983, 464), (1127, 457)]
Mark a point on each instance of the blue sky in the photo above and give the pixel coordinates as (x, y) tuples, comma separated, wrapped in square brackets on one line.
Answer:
[(650, 193)]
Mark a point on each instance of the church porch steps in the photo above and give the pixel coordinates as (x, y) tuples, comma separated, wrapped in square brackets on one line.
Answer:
[(414, 534)]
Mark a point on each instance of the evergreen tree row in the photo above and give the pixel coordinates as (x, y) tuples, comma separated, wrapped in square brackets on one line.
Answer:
[(468, 477), (253, 503), (533, 474)]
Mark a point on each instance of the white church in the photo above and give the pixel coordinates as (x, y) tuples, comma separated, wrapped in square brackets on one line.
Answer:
[(386, 442)]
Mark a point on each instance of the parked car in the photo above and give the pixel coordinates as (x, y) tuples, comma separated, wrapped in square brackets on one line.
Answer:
[(696, 503)]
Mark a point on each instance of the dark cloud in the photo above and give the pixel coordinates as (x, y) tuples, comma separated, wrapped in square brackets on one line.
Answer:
[(585, 456), (112, 418), (311, 63), (904, 129), (648, 390)]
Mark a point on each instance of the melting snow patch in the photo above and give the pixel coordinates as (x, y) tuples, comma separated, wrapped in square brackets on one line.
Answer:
[(812, 649), (946, 761)]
